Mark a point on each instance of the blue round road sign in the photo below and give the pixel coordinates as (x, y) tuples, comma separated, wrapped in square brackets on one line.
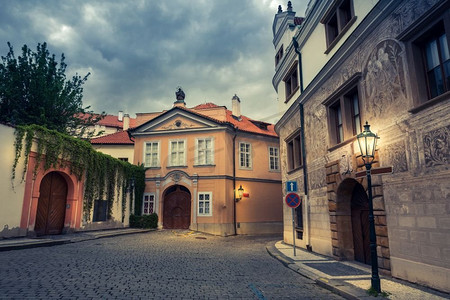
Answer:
[(293, 200)]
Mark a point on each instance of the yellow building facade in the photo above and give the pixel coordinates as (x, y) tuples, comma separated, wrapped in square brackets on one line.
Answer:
[(210, 169)]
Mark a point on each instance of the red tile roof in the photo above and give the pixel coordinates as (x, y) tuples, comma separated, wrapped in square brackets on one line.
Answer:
[(206, 106), (242, 123), (111, 121), (246, 124), (118, 138), (298, 20)]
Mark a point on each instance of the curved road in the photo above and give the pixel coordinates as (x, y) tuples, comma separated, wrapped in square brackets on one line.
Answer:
[(156, 265)]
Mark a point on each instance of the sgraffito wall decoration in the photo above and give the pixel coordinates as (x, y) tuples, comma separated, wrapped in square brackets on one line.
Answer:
[(436, 145), (384, 78)]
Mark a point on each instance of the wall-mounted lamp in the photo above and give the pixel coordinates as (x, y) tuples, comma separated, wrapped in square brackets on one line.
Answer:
[(240, 193)]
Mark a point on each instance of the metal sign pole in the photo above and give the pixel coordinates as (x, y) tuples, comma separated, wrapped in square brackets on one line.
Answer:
[(293, 231)]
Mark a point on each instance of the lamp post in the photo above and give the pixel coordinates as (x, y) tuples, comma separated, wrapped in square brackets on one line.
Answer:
[(367, 141)]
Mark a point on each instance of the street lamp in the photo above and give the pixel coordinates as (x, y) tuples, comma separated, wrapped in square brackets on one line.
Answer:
[(240, 193), (367, 141)]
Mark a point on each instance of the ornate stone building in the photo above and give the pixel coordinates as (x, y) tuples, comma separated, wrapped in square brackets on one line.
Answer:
[(388, 63)]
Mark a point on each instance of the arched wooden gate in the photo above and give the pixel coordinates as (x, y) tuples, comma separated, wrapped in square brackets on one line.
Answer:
[(51, 205), (360, 224), (177, 208)]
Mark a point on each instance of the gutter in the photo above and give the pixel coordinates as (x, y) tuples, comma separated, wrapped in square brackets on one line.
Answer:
[(303, 145), (234, 182)]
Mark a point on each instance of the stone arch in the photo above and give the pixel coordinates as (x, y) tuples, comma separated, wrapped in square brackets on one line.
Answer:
[(340, 188), (74, 201)]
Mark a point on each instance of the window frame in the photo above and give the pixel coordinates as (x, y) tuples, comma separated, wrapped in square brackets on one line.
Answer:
[(158, 159), (294, 152), (197, 152), (150, 195), (343, 19), (414, 38), (203, 214), (248, 157), (288, 82), (177, 163), (276, 157), (343, 97), (279, 56)]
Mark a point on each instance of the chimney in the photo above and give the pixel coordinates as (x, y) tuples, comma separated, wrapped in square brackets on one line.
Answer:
[(236, 106), (120, 116), (126, 121)]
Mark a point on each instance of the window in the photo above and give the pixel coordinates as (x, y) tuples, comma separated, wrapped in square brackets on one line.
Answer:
[(344, 117), (204, 204), (245, 155), (123, 159), (204, 151), (148, 204), (101, 211), (177, 153), (274, 159), (294, 152), (291, 81), (279, 56), (427, 46), (337, 20), (151, 151), (437, 61)]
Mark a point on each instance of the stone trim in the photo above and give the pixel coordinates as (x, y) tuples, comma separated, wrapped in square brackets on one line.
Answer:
[(341, 234)]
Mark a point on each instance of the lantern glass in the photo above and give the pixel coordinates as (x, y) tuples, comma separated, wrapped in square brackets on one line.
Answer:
[(367, 141), (240, 192)]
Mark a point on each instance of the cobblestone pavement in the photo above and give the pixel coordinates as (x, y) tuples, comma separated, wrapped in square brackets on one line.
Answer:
[(156, 265)]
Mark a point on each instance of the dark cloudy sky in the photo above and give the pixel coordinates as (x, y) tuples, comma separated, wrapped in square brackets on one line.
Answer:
[(138, 52)]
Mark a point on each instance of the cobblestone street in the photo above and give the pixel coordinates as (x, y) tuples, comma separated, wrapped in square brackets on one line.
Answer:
[(156, 265)]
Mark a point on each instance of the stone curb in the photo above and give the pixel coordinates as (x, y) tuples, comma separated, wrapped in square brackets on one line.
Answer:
[(338, 287), (83, 236)]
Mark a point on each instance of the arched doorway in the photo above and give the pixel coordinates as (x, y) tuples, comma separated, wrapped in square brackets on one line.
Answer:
[(360, 224), (51, 205), (177, 208)]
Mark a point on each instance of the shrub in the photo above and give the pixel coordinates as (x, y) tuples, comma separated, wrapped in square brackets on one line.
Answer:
[(146, 221)]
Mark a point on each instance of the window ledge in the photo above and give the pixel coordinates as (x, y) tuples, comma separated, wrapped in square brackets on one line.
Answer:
[(348, 141), (206, 165), (291, 95), (245, 169), (152, 168), (294, 170), (275, 171), (177, 167), (441, 98), (339, 36)]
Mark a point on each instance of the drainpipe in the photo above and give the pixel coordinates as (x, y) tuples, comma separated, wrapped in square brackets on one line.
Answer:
[(303, 146), (234, 183)]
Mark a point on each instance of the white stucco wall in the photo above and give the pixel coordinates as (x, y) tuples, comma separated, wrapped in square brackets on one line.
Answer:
[(313, 50), (11, 199)]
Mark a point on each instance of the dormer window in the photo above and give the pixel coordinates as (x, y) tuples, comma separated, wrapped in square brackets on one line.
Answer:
[(279, 56)]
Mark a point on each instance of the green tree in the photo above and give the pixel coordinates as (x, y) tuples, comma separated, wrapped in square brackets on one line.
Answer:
[(34, 90)]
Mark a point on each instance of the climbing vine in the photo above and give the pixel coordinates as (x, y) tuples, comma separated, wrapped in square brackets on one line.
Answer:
[(104, 176)]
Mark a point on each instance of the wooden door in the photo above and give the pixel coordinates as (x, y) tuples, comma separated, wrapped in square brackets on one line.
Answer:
[(360, 224), (51, 205), (177, 209)]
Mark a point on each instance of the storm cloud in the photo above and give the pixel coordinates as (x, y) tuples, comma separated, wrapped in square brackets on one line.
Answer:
[(138, 52)]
